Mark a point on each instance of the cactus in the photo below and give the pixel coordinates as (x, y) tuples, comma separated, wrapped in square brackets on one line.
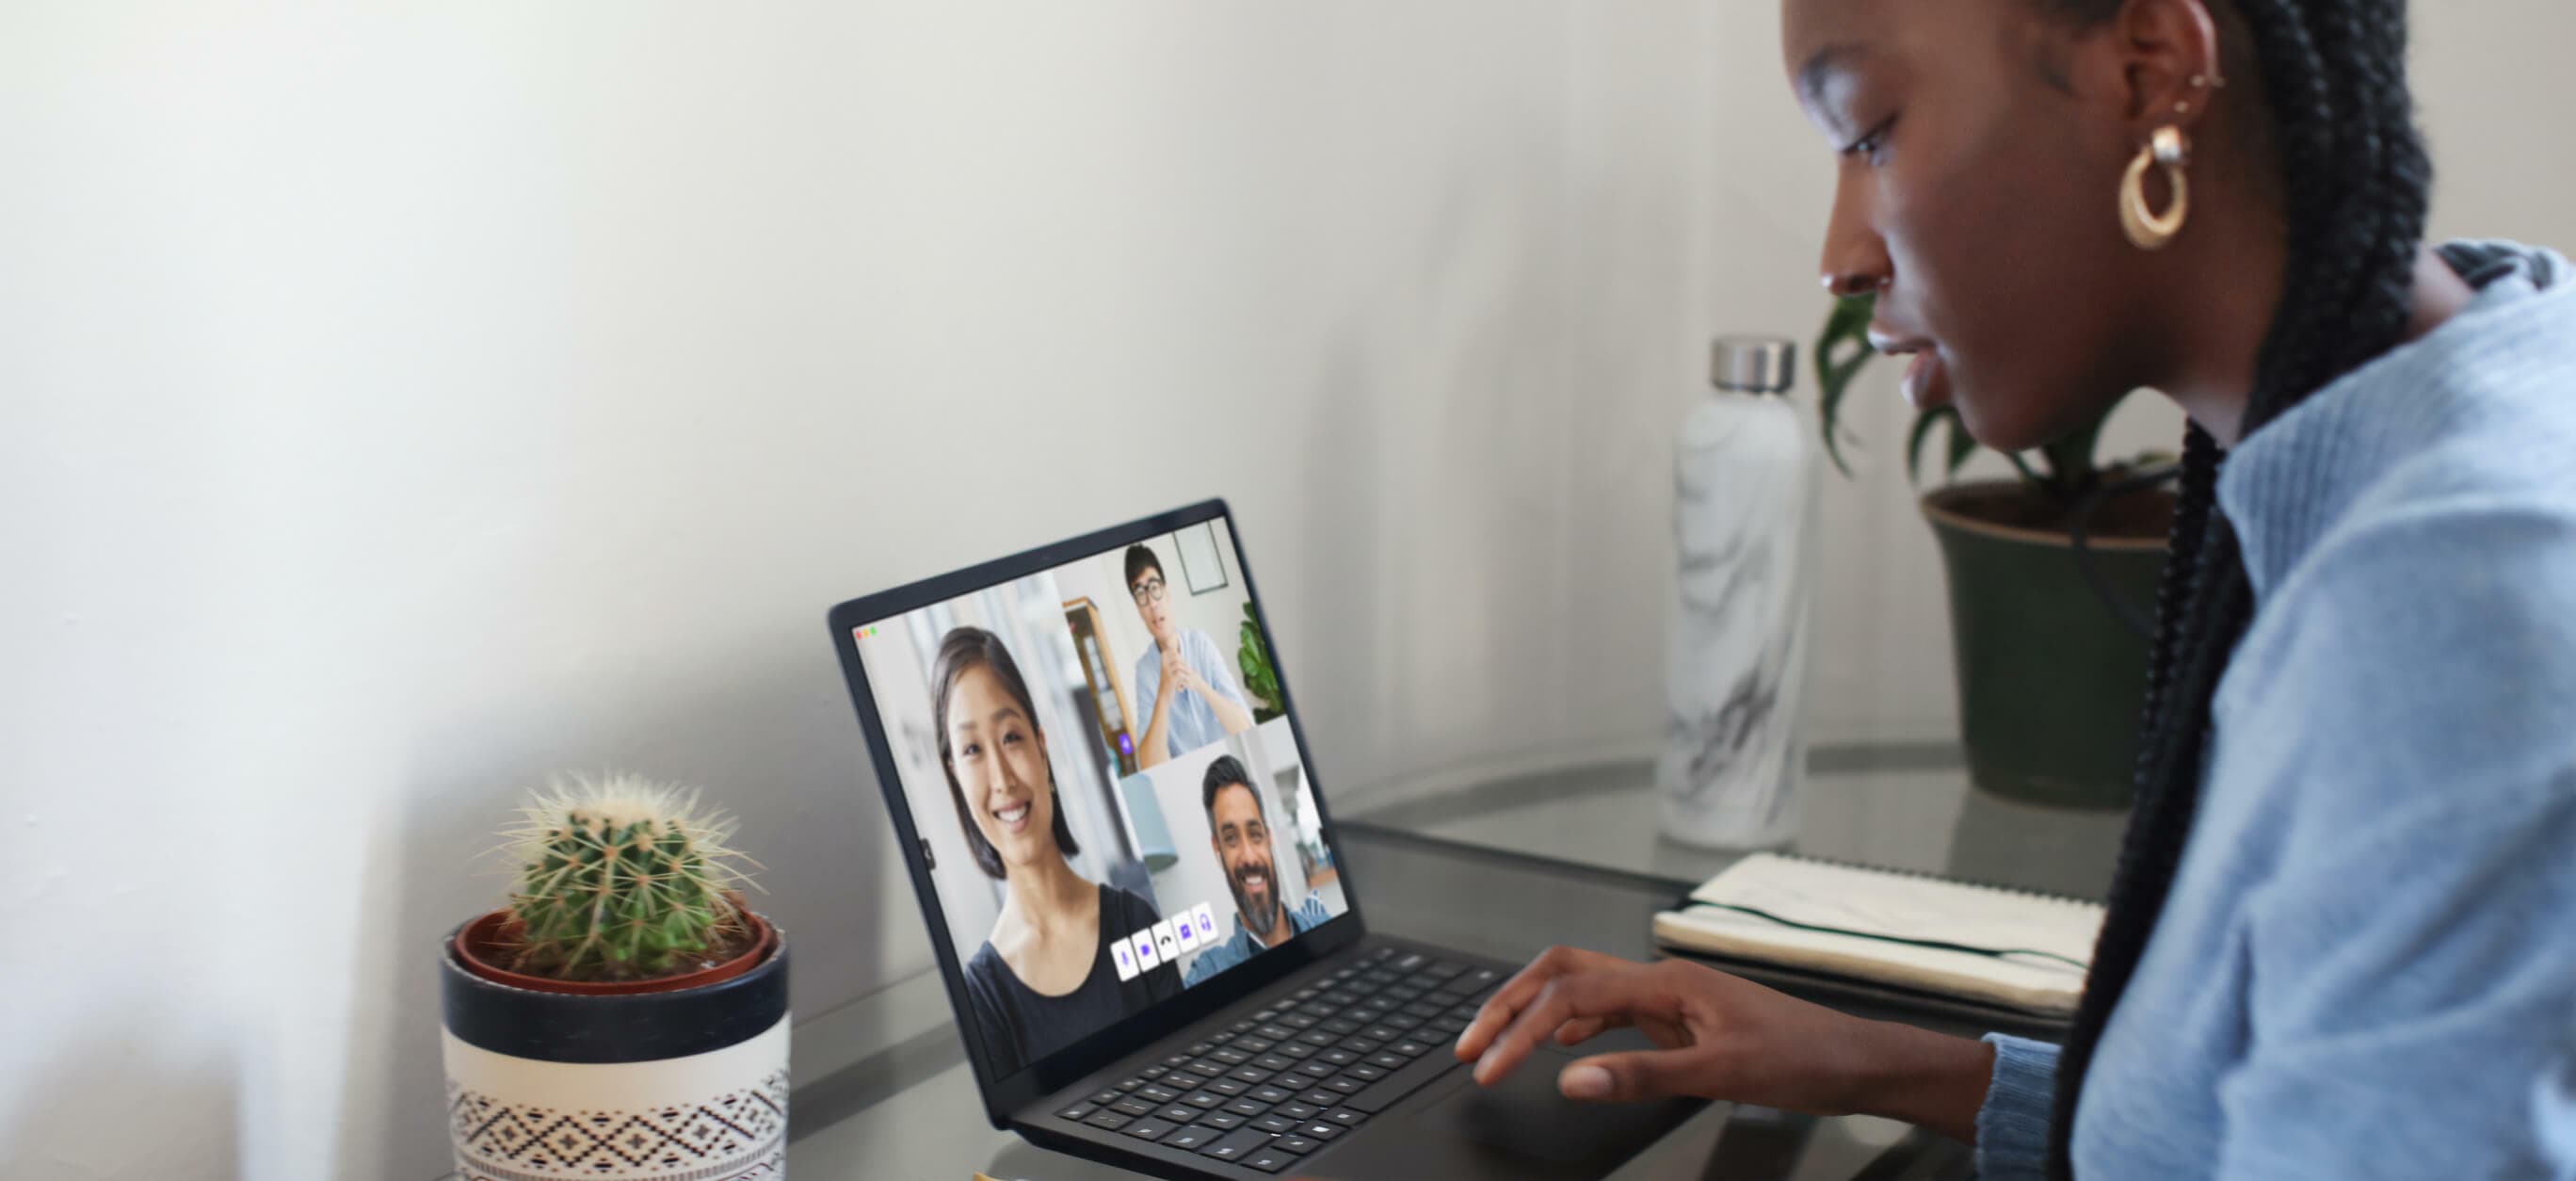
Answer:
[(621, 878)]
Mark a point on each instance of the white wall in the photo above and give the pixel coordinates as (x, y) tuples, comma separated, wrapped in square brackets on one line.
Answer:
[(403, 402), (406, 401)]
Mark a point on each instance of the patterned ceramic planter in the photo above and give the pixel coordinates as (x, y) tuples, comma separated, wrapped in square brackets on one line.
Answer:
[(686, 1085)]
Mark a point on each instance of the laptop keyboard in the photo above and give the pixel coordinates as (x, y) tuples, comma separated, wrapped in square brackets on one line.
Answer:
[(1317, 1064)]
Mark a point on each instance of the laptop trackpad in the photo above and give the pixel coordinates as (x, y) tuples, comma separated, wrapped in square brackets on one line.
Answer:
[(1524, 1114), (1518, 1128)]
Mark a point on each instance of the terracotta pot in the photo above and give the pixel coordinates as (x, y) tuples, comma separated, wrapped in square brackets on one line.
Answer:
[(680, 1079), (478, 943)]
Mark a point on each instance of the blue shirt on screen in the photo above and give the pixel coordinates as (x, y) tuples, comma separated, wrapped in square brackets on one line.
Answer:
[(1305, 917), (1192, 724)]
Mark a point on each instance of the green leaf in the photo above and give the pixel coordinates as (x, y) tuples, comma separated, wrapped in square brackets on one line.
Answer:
[(1842, 351), (1923, 424), (1260, 680), (1962, 444)]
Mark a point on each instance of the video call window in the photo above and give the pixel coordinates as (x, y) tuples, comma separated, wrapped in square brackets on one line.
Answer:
[(1111, 802)]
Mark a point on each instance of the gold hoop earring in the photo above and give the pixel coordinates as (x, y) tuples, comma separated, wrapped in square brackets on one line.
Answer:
[(2147, 229)]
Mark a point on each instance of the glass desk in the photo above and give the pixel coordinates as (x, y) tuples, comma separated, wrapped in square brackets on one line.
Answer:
[(1504, 870), (1906, 807)]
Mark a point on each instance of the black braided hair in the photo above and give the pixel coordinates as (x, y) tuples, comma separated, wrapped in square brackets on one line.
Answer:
[(2354, 181)]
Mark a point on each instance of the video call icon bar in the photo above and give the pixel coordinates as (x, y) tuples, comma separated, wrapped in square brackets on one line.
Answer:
[(1165, 942)]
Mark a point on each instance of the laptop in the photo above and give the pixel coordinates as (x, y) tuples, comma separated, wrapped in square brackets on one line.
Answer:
[(1157, 955)]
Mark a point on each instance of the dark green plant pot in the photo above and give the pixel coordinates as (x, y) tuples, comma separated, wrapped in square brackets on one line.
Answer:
[(2050, 678)]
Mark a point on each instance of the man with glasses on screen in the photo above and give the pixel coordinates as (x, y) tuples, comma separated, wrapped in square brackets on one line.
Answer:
[(1240, 832), (1195, 699)]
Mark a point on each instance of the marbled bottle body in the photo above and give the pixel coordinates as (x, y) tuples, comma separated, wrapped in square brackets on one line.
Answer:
[(1743, 492)]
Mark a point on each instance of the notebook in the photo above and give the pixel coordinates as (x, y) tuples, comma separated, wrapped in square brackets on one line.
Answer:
[(2005, 947)]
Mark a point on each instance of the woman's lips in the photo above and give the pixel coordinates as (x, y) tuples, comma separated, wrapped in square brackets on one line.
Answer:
[(1013, 819), (1924, 383)]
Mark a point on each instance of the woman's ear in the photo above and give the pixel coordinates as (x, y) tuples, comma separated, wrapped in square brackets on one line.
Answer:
[(2169, 53)]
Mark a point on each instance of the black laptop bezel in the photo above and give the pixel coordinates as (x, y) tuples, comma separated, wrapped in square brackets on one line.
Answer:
[(1006, 1095)]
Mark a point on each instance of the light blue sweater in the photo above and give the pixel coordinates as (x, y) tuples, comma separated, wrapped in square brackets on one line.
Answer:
[(2367, 965)]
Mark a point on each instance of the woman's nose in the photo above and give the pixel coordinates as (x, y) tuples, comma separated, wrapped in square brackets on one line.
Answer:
[(1855, 260), (1845, 284)]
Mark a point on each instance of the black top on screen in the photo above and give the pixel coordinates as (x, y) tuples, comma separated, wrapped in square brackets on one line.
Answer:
[(1016, 1025)]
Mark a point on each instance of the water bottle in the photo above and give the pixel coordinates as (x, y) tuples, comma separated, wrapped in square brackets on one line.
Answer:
[(1744, 483)]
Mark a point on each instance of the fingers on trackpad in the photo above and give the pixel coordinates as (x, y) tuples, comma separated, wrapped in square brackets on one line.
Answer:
[(1524, 1116)]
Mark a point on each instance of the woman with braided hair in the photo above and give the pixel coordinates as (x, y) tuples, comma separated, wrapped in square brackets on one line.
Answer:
[(2341, 938)]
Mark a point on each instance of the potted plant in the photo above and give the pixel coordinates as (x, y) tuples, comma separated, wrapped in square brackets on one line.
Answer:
[(1260, 679), (2052, 585), (625, 1016)]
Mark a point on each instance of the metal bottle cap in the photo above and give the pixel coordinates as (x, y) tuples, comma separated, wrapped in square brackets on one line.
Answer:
[(1753, 364)]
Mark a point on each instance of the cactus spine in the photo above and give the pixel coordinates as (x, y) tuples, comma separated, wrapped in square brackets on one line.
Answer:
[(621, 878)]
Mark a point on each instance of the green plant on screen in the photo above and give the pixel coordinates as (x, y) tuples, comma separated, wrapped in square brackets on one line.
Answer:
[(1260, 680)]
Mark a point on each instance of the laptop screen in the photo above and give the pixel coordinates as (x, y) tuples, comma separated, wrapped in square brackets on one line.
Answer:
[(1107, 791)]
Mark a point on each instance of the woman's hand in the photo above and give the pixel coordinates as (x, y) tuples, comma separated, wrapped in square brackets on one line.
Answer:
[(1722, 1037)]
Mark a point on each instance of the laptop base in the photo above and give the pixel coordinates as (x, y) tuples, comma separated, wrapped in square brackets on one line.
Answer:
[(1429, 1119)]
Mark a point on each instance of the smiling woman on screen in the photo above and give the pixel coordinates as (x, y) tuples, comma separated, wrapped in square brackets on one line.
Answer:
[(1045, 978)]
